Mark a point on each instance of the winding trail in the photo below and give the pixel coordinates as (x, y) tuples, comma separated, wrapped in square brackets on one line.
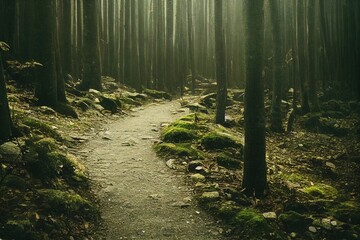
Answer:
[(140, 197)]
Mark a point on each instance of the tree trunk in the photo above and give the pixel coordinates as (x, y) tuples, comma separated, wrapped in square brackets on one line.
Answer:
[(276, 119), (5, 119), (191, 45), (254, 178), (170, 68), (220, 64), (44, 49), (91, 49)]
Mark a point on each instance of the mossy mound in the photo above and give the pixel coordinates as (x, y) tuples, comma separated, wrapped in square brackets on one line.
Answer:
[(180, 150), (294, 222), (348, 212), (219, 140), (42, 127), (44, 146), (176, 134), (15, 182), (227, 161), (253, 225), (66, 110), (321, 191), (18, 229), (157, 94), (315, 122), (190, 125), (228, 210), (63, 202), (193, 117)]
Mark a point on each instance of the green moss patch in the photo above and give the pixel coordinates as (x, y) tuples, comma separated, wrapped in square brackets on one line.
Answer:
[(180, 150), (157, 94), (321, 191), (178, 134), (63, 202), (200, 117), (348, 212), (42, 127), (294, 222), (228, 210), (226, 161), (219, 140)]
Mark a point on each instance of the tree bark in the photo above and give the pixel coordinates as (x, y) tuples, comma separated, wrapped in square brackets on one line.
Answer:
[(254, 178), (220, 64), (191, 45), (5, 119)]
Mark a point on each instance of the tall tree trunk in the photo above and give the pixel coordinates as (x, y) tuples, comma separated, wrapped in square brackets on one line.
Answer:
[(191, 45), (254, 178), (313, 99), (276, 119), (91, 49), (5, 119), (127, 43), (135, 75), (44, 44), (220, 64), (170, 67), (142, 55)]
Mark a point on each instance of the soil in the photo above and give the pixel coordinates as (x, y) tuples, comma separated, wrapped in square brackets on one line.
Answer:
[(140, 198)]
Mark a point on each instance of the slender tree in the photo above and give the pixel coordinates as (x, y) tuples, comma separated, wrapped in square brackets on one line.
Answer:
[(91, 48), (220, 64), (170, 66), (276, 119), (191, 45), (254, 178), (5, 119)]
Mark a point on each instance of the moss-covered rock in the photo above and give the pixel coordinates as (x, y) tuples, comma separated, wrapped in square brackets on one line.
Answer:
[(348, 212), (63, 202), (66, 110), (294, 222), (226, 161), (207, 197), (190, 125), (219, 140), (44, 146), (15, 182), (157, 94), (196, 117), (321, 191), (197, 177), (42, 127), (85, 104), (180, 150), (228, 210), (176, 134), (17, 229)]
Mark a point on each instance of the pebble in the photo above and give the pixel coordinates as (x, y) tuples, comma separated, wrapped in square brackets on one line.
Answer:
[(312, 229)]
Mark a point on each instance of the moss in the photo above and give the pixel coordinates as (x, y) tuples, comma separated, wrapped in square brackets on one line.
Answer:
[(294, 222), (181, 150), (44, 146), (157, 94), (190, 125), (177, 134), (42, 127), (293, 177), (348, 212), (66, 110), (228, 210), (129, 101), (321, 191), (227, 161), (219, 140), (15, 182), (17, 229), (63, 202)]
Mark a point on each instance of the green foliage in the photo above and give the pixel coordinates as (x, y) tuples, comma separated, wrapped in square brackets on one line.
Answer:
[(219, 140), (63, 202)]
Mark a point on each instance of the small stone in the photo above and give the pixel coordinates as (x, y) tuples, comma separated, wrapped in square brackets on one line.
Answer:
[(198, 177), (210, 196), (270, 215), (171, 163), (180, 204), (293, 234), (326, 223), (330, 165), (333, 223), (312, 229)]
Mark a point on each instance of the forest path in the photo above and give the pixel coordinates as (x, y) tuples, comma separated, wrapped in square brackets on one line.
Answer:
[(140, 197)]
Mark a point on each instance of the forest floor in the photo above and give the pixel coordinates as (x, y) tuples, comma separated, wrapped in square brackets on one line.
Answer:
[(98, 162)]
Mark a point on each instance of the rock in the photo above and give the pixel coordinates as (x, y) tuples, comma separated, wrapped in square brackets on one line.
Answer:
[(192, 166), (228, 209), (47, 110), (10, 151), (226, 161), (180, 204), (330, 165), (219, 140), (197, 177), (312, 229), (171, 163), (209, 196), (293, 221), (270, 215)]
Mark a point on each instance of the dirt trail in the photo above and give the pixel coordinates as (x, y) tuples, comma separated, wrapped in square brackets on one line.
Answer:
[(140, 197)]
